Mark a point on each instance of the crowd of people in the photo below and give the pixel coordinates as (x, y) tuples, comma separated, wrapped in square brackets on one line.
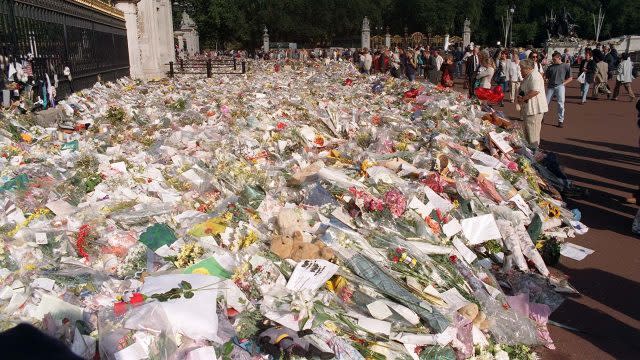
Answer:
[(527, 77)]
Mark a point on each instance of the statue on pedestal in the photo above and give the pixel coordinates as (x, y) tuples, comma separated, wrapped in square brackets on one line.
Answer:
[(563, 27)]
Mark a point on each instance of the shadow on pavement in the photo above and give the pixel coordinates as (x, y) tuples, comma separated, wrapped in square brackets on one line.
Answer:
[(603, 331), (624, 188), (614, 291), (612, 146), (600, 211), (576, 150), (597, 168)]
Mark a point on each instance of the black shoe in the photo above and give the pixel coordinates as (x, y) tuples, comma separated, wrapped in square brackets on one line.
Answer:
[(560, 124)]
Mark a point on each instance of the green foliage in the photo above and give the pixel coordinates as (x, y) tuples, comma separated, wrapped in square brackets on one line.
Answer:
[(239, 23), (116, 115), (248, 323), (178, 105), (550, 251), (184, 290)]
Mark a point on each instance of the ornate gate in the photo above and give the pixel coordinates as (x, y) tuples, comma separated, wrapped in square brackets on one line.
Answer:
[(88, 36)]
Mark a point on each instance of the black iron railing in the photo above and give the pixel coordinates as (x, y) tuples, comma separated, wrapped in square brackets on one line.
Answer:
[(207, 67), (59, 33)]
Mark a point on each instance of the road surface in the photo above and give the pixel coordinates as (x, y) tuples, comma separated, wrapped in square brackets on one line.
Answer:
[(598, 147)]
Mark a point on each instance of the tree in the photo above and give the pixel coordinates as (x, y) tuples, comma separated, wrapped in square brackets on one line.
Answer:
[(239, 23)]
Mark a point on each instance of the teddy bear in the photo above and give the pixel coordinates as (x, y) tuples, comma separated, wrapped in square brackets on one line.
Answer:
[(472, 312), (294, 247), (291, 220)]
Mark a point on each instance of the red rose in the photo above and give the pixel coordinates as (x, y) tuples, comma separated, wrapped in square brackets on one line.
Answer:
[(453, 258), (136, 298)]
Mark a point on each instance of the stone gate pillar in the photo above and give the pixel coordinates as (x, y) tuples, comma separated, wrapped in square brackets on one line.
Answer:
[(366, 34), (149, 36), (265, 40), (130, 10), (387, 39), (466, 34)]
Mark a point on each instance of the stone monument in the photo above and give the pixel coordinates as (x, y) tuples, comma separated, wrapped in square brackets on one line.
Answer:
[(265, 40), (149, 36), (466, 33), (366, 34), (562, 35), (387, 39), (188, 37)]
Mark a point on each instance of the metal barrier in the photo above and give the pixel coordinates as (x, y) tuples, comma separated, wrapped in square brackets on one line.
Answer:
[(91, 41), (207, 67)]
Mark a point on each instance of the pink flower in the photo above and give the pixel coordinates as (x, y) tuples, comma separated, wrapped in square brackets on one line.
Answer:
[(396, 202), (374, 204)]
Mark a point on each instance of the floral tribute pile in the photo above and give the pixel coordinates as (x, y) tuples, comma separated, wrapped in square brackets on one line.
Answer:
[(305, 212)]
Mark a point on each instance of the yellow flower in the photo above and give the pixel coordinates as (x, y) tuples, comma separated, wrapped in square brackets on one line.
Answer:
[(240, 271), (249, 239), (36, 214), (188, 255), (30, 267), (365, 165), (401, 146), (336, 283), (329, 325)]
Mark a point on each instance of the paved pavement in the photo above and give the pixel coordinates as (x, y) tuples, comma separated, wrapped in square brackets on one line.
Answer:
[(598, 147)]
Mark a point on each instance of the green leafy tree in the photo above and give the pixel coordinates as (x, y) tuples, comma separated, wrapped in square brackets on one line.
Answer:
[(239, 23)]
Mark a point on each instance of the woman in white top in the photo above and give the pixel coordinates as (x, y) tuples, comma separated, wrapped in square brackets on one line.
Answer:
[(486, 71), (537, 66), (514, 76)]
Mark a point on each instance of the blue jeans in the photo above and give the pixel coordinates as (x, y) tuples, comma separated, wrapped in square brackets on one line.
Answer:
[(584, 90), (558, 91), (459, 66)]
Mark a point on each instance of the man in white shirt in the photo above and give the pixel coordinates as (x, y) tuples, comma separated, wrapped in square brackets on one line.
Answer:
[(533, 102), (624, 77), (439, 60)]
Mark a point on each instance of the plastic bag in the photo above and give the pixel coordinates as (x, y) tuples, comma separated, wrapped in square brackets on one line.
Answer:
[(142, 331), (507, 327)]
